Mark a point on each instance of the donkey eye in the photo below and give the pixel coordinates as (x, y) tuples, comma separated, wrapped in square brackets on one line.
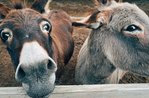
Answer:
[(132, 28), (6, 34), (45, 26)]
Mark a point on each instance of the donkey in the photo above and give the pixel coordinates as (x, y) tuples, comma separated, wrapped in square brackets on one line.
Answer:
[(118, 43), (36, 41)]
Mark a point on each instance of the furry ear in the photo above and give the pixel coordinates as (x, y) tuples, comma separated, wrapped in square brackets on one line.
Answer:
[(4, 10), (95, 20), (89, 21), (39, 5), (104, 2), (90, 26)]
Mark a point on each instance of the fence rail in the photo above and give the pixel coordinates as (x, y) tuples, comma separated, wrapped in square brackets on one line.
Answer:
[(86, 91)]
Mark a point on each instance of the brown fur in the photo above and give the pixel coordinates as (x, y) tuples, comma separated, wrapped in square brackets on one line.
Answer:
[(3, 12), (61, 33), (28, 28)]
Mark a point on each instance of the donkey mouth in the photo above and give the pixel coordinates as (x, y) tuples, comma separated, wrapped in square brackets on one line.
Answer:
[(38, 91)]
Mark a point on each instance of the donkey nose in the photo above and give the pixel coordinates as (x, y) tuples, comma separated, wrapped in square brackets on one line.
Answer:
[(25, 70), (20, 73)]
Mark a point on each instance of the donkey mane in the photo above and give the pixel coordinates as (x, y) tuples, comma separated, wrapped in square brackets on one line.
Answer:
[(18, 5)]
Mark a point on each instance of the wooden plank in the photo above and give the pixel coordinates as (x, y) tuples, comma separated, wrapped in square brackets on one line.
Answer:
[(86, 91)]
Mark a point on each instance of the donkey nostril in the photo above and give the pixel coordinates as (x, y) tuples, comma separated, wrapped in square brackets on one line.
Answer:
[(50, 64), (20, 74)]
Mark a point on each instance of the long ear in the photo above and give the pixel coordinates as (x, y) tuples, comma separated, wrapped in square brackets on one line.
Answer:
[(89, 21), (39, 5), (95, 20), (105, 2), (4, 10)]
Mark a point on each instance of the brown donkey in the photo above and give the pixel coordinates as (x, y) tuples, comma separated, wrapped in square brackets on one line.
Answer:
[(118, 42), (36, 42)]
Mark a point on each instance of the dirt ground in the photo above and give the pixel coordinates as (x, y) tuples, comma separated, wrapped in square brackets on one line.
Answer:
[(79, 35)]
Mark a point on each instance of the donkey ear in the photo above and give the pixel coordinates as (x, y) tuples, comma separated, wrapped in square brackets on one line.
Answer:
[(4, 10), (89, 21), (95, 20), (104, 2), (39, 5), (90, 26), (118, 0), (100, 2), (108, 1)]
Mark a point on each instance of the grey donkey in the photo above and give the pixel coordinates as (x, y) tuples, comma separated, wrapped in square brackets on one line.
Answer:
[(118, 43)]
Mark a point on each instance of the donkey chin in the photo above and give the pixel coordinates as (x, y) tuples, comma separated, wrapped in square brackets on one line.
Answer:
[(40, 88)]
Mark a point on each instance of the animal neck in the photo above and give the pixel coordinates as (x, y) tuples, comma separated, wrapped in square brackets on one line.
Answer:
[(55, 51), (97, 61)]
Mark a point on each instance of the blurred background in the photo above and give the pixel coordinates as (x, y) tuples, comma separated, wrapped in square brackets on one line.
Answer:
[(77, 8)]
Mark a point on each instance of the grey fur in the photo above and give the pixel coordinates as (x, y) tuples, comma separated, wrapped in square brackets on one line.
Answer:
[(108, 48)]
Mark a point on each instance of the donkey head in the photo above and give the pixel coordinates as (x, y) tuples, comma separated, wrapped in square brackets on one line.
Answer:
[(26, 33), (122, 30)]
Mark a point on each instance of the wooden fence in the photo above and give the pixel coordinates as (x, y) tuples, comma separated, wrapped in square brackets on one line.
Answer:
[(86, 91)]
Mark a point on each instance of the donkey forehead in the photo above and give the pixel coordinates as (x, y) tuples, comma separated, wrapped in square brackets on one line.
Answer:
[(131, 11), (25, 21), (24, 12), (24, 24), (127, 14), (23, 17)]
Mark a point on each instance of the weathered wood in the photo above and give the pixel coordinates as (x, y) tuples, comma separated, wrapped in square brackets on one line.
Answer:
[(86, 91)]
